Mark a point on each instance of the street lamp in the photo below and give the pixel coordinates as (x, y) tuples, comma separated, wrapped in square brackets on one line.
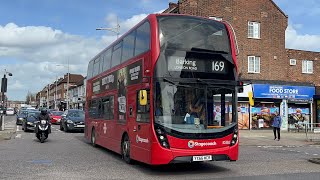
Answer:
[(115, 29)]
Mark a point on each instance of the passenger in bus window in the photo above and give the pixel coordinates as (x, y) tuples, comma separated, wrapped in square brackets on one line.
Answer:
[(195, 110)]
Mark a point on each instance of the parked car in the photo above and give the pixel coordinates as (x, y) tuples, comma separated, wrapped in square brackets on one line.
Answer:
[(10, 112), (21, 116), (55, 116), (28, 122), (72, 119)]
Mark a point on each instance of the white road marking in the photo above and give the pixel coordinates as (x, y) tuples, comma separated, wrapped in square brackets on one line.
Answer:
[(18, 128), (18, 136), (272, 146), (307, 153), (315, 154)]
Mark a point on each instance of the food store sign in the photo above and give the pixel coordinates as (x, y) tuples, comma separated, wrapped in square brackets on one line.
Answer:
[(283, 92)]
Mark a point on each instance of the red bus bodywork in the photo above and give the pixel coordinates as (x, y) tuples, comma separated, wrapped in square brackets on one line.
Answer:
[(144, 143)]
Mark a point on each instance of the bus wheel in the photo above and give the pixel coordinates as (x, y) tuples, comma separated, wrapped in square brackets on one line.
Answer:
[(93, 138), (126, 149)]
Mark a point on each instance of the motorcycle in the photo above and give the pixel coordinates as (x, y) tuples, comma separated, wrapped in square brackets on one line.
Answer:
[(42, 130)]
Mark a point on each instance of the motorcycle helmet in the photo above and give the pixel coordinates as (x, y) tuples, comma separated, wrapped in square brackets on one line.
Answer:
[(43, 111)]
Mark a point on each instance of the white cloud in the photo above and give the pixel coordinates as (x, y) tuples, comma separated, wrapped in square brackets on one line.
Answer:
[(308, 42), (38, 49)]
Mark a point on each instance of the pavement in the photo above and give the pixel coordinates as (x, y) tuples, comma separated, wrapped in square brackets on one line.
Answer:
[(9, 129), (265, 137)]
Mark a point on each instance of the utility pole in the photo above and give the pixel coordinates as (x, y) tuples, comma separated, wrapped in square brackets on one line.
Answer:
[(68, 81), (48, 96), (4, 82)]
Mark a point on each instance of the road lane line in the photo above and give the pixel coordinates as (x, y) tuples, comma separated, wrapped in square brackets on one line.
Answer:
[(18, 136)]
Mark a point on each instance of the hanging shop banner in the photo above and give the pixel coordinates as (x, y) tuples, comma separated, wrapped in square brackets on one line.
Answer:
[(283, 92)]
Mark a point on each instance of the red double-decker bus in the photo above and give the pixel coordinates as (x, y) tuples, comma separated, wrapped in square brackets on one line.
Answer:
[(166, 92)]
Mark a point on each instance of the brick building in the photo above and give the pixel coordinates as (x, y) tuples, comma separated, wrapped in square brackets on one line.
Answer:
[(55, 95), (281, 79)]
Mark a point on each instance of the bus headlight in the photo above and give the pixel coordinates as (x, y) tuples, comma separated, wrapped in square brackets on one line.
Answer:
[(234, 137), (162, 137)]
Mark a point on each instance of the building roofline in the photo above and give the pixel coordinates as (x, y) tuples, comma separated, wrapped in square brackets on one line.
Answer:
[(278, 8), (288, 49)]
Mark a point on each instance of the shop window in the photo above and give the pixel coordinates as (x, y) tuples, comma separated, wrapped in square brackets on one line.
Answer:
[(298, 116), (263, 114)]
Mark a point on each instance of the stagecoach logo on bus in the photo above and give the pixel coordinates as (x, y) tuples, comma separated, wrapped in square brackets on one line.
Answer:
[(142, 140), (192, 144)]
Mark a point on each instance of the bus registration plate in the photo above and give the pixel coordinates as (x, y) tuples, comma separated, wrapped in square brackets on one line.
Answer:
[(202, 158)]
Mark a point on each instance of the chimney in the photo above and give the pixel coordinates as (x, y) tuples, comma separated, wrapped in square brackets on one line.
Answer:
[(172, 5)]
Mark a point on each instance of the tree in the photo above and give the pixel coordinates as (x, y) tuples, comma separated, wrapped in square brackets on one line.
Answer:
[(30, 97)]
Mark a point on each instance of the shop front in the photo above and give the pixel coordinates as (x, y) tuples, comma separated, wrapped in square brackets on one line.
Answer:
[(244, 108), (316, 99), (293, 103)]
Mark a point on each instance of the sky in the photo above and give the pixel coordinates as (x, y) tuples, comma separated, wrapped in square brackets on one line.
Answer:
[(39, 37)]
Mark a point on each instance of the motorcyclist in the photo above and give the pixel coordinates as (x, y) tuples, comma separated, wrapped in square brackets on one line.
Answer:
[(44, 116)]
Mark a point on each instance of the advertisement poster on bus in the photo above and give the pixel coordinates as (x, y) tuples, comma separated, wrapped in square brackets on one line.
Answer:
[(122, 76), (129, 75)]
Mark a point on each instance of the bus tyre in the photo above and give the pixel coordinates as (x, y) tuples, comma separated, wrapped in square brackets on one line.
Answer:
[(125, 147), (93, 138)]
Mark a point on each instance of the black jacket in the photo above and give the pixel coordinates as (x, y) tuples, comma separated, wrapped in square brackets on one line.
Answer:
[(44, 117)]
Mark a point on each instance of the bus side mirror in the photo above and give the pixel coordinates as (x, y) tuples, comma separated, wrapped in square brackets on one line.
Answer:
[(143, 97)]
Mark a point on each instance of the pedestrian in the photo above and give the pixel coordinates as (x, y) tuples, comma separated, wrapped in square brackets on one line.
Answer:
[(276, 125)]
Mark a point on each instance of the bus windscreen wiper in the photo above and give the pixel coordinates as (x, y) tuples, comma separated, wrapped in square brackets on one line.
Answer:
[(169, 81), (208, 50), (176, 84)]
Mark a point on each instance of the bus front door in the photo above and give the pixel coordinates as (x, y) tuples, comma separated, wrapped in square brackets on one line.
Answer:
[(139, 128)]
